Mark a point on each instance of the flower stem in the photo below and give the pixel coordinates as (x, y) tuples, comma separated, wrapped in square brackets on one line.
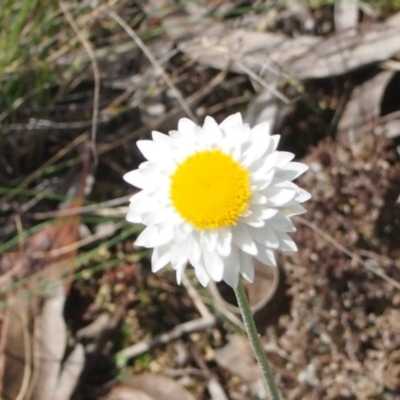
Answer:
[(255, 342)]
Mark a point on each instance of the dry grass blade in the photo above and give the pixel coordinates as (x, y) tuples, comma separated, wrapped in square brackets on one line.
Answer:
[(96, 74), (183, 103)]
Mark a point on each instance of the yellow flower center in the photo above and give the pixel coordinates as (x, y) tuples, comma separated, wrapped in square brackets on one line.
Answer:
[(210, 189)]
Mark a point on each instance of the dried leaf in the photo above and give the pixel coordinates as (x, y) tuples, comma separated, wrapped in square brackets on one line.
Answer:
[(72, 369), (240, 49), (347, 50), (50, 343), (215, 389), (302, 57), (149, 387), (122, 392), (237, 357), (17, 353), (365, 102)]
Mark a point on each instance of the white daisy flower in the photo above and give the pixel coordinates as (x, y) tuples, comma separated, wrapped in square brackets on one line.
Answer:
[(216, 197)]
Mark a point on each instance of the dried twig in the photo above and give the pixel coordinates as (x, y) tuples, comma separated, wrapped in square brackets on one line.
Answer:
[(198, 302), (177, 332)]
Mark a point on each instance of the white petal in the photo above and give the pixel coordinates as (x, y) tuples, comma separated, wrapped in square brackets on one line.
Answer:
[(146, 235), (214, 265), (224, 241), (155, 235), (265, 236), (242, 238), (150, 174), (232, 268), (266, 256), (261, 212), (134, 217), (260, 132), (257, 198), (261, 181), (179, 273), (183, 150), (162, 138), (278, 197), (284, 157), (212, 130), (303, 195), (252, 220), (268, 213), (246, 266), (182, 233), (161, 257), (179, 255), (174, 134), (281, 223), (140, 204), (209, 237), (194, 249), (152, 151), (179, 260), (293, 209), (286, 242), (291, 171), (264, 165), (201, 274), (135, 178), (259, 142), (232, 121), (274, 143), (160, 216), (186, 126)]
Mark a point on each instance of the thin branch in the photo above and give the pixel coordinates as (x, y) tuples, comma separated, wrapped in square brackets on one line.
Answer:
[(176, 333)]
